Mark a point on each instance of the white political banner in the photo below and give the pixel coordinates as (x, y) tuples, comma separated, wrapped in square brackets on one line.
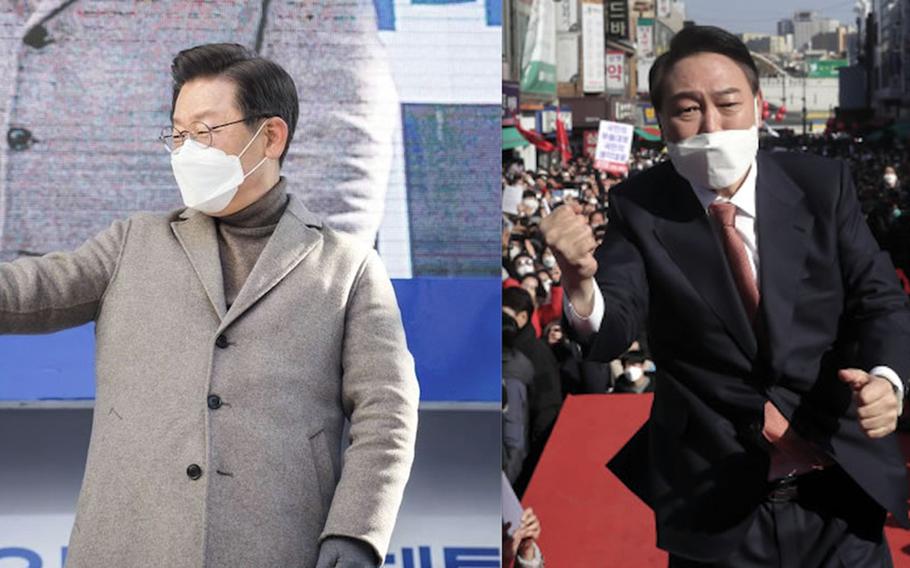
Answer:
[(592, 33), (614, 145), (663, 8)]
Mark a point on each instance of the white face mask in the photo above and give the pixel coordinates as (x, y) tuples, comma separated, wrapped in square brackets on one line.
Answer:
[(890, 179), (634, 373), (524, 269), (207, 177), (715, 159), (530, 205)]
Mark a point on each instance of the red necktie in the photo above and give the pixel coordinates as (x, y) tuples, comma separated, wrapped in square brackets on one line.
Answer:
[(735, 248), (795, 454)]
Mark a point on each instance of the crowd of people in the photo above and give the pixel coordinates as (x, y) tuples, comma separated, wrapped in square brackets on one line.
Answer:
[(880, 171), (543, 361)]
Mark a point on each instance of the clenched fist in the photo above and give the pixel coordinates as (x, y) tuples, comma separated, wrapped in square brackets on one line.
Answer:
[(876, 402), (572, 242), (571, 239)]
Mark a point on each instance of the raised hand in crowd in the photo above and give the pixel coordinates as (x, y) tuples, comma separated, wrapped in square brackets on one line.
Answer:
[(572, 242)]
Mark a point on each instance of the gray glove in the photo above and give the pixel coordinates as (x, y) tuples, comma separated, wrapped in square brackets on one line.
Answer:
[(345, 552)]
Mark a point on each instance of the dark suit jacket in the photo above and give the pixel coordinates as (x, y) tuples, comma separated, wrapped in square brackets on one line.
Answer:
[(829, 299)]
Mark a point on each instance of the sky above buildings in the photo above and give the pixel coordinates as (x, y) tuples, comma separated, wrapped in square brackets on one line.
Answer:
[(742, 16)]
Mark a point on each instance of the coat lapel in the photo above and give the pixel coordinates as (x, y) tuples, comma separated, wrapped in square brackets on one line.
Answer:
[(689, 238), (783, 226), (294, 237), (196, 234)]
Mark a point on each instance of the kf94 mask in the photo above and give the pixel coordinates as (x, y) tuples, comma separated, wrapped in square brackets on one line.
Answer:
[(207, 177)]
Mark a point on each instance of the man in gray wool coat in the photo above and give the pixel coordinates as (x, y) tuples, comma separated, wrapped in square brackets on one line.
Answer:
[(233, 339)]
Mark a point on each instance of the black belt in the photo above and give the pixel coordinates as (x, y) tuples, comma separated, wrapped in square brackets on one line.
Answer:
[(786, 489)]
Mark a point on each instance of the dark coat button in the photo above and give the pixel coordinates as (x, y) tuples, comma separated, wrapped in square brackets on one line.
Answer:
[(194, 471), (214, 401), (19, 139), (37, 37), (221, 341)]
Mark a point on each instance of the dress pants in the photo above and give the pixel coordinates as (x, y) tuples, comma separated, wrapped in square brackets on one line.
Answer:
[(821, 520)]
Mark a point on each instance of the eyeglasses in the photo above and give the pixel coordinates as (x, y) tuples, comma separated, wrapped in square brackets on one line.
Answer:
[(199, 132)]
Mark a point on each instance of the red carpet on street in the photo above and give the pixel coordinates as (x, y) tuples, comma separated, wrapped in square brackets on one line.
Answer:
[(588, 518)]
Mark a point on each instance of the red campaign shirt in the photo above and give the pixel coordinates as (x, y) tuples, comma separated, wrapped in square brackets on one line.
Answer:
[(545, 313), (552, 311)]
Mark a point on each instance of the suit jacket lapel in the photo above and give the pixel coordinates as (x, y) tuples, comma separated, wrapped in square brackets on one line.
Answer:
[(783, 226), (196, 234), (294, 237), (690, 239)]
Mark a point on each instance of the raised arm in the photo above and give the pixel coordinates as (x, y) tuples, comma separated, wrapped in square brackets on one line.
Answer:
[(606, 289), (60, 289)]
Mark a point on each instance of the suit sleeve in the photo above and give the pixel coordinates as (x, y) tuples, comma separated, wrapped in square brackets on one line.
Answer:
[(60, 289), (623, 283), (876, 308), (380, 395)]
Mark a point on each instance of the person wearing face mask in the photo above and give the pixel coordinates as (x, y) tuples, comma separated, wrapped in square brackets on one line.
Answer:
[(529, 204), (549, 307), (776, 323), (522, 265), (224, 407)]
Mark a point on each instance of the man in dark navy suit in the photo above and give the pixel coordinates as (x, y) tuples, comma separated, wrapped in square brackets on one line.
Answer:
[(776, 322)]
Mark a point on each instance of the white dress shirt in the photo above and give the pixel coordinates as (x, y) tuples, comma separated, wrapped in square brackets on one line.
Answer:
[(745, 222)]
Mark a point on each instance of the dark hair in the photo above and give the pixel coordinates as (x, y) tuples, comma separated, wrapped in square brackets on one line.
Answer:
[(538, 288), (264, 88), (633, 358), (518, 299), (700, 39)]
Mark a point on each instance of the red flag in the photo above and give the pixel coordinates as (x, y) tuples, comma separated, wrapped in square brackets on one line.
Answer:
[(534, 138), (562, 140)]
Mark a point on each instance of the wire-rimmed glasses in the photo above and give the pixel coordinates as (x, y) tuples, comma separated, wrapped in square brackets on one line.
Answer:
[(198, 131)]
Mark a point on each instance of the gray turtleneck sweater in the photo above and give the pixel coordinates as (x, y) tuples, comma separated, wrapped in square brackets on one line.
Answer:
[(243, 235)]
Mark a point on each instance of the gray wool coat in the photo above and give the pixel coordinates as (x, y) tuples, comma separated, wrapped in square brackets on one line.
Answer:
[(217, 434)]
